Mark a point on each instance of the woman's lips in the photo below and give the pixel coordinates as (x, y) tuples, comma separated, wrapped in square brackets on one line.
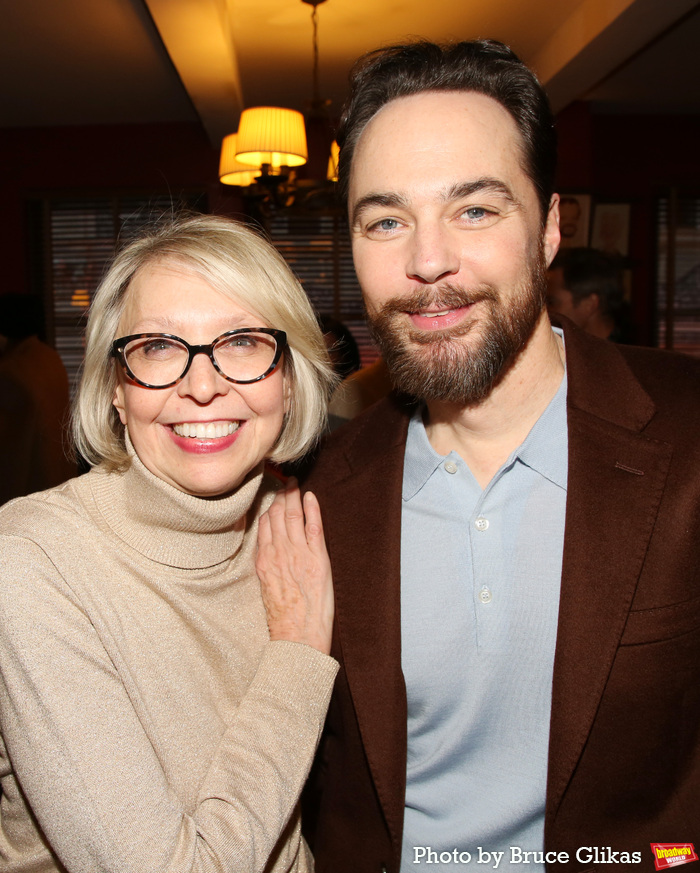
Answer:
[(438, 319), (203, 437)]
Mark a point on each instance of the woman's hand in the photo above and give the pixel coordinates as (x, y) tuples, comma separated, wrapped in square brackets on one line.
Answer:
[(294, 570)]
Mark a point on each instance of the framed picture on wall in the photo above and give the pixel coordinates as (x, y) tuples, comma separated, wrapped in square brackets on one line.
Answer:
[(611, 228), (574, 219)]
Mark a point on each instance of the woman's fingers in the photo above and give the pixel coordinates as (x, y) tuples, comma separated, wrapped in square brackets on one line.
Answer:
[(276, 516), (295, 522), (294, 570), (314, 523), (286, 515)]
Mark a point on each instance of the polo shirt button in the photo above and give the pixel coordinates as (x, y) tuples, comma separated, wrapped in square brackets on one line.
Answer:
[(481, 523), (485, 595), (450, 466)]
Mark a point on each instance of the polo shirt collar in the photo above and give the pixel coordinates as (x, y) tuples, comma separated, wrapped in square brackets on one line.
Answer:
[(545, 448)]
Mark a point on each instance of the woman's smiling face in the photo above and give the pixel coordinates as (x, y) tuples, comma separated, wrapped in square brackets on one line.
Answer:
[(241, 422)]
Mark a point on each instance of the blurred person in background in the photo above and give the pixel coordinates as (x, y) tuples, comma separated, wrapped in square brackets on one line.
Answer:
[(34, 403), (584, 285)]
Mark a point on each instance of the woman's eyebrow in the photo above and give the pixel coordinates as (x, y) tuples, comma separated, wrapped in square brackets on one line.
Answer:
[(162, 324)]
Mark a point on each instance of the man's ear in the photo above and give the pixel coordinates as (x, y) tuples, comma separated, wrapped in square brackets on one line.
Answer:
[(551, 236), (596, 298), (590, 305)]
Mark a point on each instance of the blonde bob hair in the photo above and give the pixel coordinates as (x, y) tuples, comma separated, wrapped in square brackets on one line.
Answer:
[(234, 260)]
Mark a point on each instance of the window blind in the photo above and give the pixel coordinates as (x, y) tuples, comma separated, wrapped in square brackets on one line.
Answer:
[(317, 248), (81, 236), (678, 274)]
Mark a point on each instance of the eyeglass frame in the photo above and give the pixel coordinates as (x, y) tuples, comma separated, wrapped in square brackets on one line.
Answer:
[(280, 337)]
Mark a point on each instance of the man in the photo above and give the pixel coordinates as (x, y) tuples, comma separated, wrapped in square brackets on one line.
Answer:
[(515, 536), (584, 285)]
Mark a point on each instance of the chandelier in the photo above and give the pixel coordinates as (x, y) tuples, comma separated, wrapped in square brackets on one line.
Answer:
[(270, 143)]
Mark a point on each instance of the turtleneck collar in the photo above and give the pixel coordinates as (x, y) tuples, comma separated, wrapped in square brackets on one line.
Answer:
[(169, 526)]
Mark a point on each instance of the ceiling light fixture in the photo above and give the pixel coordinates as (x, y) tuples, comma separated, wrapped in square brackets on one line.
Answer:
[(271, 141), (270, 138), (231, 171), (318, 106)]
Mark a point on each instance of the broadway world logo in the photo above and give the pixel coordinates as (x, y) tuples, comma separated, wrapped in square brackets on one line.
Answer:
[(672, 854)]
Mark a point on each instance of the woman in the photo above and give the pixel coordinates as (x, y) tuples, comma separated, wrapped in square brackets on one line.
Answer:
[(158, 711)]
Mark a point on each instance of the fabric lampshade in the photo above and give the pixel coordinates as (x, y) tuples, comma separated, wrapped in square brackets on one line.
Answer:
[(231, 171), (272, 135)]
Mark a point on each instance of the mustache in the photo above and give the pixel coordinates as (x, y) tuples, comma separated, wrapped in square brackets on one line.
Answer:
[(445, 296)]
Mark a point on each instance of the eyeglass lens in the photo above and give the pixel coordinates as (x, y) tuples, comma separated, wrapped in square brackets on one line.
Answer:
[(161, 360)]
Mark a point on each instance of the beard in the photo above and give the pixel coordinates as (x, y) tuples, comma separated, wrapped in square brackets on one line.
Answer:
[(437, 366)]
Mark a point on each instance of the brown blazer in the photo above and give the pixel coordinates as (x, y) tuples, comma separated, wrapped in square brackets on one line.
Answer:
[(624, 756)]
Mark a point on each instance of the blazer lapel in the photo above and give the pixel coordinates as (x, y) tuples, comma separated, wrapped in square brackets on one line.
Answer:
[(615, 484), (366, 557)]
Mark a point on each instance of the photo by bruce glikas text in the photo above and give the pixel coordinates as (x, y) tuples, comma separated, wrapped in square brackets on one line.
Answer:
[(515, 855)]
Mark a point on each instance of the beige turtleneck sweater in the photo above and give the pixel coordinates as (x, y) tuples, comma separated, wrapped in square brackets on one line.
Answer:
[(148, 723)]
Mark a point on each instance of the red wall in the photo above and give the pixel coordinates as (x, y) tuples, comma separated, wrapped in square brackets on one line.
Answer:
[(158, 158)]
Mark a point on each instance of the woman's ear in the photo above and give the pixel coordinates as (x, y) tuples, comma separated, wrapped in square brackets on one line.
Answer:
[(118, 402), (287, 383)]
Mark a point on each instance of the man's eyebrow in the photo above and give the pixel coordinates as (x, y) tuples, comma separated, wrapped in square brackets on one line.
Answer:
[(376, 199), (455, 192), (477, 186)]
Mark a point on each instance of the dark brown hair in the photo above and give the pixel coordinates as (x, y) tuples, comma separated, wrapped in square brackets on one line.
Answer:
[(485, 66)]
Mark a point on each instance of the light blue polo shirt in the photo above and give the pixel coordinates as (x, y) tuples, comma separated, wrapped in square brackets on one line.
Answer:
[(480, 579)]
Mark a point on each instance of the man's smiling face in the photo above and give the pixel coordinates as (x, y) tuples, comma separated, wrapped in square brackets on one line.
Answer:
[(448, 241)]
